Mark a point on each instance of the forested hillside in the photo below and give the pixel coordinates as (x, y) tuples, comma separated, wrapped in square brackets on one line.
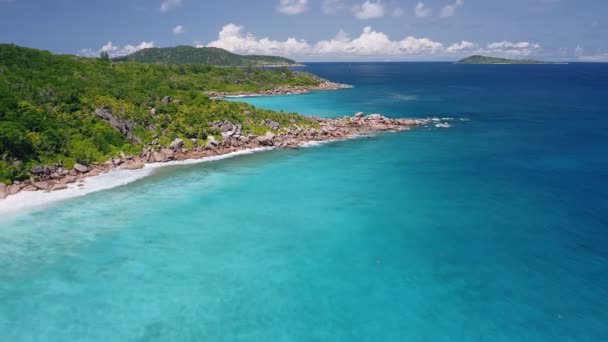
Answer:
[(68, 109), (206, 55)]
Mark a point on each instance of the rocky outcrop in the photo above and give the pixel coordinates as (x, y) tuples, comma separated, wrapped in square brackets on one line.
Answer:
[(228, 129), (271, 124), (124, 126), (266, 139), (212, 144), (80, 168), (287, 90), (177, 143), (56, 177)]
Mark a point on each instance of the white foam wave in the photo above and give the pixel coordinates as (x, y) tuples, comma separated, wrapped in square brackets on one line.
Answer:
[(26, 201)]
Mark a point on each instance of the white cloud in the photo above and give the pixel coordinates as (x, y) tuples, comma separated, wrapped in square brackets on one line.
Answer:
[(116, 51), (464, 45), (421, 10), (579, 51), (509, 49), (179, 29), (369, 10), (232, 39), (332, 6), (397, 12), (292, 7), (373, 43), (169, 4), (450, 10), (369, 44)]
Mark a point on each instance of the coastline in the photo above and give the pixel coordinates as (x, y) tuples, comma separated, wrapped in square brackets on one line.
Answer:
[(286, 90), (81, 180)]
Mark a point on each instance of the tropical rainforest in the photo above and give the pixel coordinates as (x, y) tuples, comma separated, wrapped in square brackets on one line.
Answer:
[(68, 109)]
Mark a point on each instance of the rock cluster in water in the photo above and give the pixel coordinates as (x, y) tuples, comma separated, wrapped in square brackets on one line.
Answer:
[(56, 177)]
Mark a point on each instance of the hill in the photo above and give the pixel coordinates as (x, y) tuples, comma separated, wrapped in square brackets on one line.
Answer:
[(67, 109), (477, 59), (206, 55)]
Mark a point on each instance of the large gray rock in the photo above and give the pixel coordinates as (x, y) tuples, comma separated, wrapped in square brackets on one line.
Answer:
[(80, 168), (3, 191), (124, 126), (134, 164), (41, 185), (15, 188), (177, 143), (166, 100), (211, 143), (38, 170), (271, 124), (29, 188), (266, 139), (163, 155), (58, 186), (168, 153)]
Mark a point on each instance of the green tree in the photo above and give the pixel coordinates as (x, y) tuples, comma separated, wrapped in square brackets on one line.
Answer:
[(104, 56)]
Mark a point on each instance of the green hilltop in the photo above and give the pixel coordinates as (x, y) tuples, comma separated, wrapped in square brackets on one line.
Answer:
[(69, 109), (205, 55), (477, 59)]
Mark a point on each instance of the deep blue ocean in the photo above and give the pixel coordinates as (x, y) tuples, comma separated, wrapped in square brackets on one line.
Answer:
[(495, 229)]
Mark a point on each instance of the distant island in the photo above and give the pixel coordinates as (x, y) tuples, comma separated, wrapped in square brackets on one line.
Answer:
[(477, 59), (181, 55)]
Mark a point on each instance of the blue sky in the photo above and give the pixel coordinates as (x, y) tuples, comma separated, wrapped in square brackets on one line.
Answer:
[(317, 30)]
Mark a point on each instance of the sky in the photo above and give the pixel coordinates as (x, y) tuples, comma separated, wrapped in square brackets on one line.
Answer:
[(317, 30)]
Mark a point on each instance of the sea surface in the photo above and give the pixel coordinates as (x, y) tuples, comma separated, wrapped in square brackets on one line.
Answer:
[(495, 229)]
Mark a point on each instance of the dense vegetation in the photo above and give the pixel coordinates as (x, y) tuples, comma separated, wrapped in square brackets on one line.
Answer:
[(47, 101), (205, 55), (477, 59)]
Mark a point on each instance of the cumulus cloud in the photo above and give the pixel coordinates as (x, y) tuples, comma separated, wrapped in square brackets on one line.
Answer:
[(374, 43), (368, 44), (292, 7), (179, 29), (509, 49), (462, 46), (421, 11), (369, 10), (450, 10), (169, 5), (116, 50), (233, 39)]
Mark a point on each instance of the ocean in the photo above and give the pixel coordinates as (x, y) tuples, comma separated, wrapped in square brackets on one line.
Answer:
[(492, 230)]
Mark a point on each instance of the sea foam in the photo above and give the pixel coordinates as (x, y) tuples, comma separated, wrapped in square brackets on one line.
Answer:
[(27, 201)]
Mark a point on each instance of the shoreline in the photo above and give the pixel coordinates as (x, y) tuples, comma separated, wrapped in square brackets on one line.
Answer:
[(287, 90), (27, 201), (82, 180)]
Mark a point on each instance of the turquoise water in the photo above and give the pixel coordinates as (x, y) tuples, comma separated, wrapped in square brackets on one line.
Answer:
[(494, 229)]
